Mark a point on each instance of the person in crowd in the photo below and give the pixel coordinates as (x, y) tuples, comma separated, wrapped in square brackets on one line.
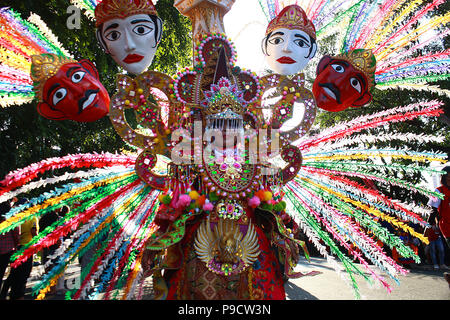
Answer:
[(9, 242), (18, 276), (441, 210)]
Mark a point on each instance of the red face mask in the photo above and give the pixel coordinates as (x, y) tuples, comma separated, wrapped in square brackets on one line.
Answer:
[(338, 85), (74, 93)]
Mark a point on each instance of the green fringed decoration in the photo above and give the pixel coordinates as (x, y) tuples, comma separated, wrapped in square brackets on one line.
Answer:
[(98, 194), (363, 219), (349, 266), (350, 168)]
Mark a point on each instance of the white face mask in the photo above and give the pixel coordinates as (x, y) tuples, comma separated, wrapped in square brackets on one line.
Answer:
[(131, 42), (289, 51)]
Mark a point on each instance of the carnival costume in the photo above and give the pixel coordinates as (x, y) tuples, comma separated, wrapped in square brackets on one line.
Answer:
[(210, 220)]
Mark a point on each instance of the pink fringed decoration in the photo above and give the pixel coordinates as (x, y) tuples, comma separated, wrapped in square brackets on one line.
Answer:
[(409, 62), (373, 24), (431, 109), (313, 15), (354, 229), (125, 257), (416, 17), (20, 177), (401, 54), (338, 237)]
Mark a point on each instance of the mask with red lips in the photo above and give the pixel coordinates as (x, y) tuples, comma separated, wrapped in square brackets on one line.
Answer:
[(129, 31), (344, 81), (68, 90), (290, 41)]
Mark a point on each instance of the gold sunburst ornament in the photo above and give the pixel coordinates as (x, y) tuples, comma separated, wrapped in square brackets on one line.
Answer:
[(225, 250), (363, 60)]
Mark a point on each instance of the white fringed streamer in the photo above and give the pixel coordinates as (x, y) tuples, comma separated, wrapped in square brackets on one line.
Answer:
[(36, 20), (362, 139), (416, 86), (129, 228)]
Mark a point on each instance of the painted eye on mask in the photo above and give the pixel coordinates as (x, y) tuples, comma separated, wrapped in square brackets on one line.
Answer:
[(338, 68), (276, 40), (59, 95), (142, 30), (302, 43), (78, 76), (356, 84), (113, 35)]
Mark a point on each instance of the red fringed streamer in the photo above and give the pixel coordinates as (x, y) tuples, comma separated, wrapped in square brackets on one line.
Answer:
[(20, 177), (426, 58), (73, 224), (100, 259), (432, 111), (22, 39), (125, 257)]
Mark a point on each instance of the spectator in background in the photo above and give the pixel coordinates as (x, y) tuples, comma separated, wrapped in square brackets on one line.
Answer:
[(17, 279), (441, 209), (9, 242), (436, 246), (45, 221)]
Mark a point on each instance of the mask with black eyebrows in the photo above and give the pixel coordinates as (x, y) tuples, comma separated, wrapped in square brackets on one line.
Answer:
[(290, 41), (129, 30)]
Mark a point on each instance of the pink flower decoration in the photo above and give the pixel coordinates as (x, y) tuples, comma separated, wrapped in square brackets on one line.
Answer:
[(254, 202), (184, 201), (208, 206)]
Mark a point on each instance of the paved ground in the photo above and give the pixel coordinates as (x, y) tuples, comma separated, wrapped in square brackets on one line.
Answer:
[(421, 283)]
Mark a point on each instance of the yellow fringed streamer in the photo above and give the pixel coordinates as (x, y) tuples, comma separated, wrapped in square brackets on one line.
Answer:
[(9, 101), (369, 43), (15, 60), (138, 263), (411, 36), (53, 282), (387, 29), (107, 221), (28, 50), (133, 275), (366, 156), (27, 214), (392, 220)]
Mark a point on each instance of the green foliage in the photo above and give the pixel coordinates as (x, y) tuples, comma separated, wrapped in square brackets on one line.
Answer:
[(26, 137)]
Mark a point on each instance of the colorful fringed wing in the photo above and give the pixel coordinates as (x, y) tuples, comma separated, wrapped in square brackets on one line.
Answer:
[(112, 210), (335, 201)]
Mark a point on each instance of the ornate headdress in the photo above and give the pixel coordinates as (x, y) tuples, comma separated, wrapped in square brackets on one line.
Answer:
[(292, 17), (363, 60), (120, 9), (45, 66)]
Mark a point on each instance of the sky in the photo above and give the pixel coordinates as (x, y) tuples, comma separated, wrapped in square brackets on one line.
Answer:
[(245, 25)]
